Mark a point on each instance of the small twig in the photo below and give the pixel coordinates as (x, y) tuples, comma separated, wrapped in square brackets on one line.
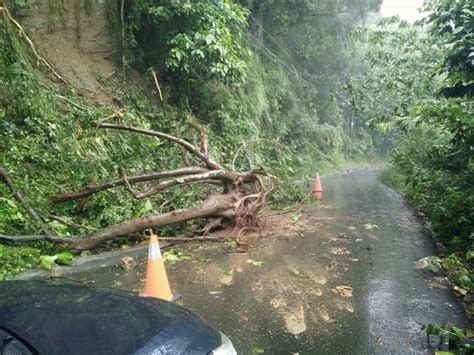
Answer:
[(157, 84), (70, 223), (202, 133), (294, 208), (164, 204), (84, 282), (19, 197), (185, 157), (113, 115), (279, 213), (71, 103), (32, 46), (127, 184), (237, 239)]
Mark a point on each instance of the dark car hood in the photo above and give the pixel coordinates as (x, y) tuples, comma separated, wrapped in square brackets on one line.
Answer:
[(59, 318)]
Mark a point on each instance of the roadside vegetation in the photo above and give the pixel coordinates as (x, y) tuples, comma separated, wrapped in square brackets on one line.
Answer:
[(418, 90)]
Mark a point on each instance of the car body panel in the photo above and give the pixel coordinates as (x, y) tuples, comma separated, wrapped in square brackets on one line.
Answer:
[(59, 318)]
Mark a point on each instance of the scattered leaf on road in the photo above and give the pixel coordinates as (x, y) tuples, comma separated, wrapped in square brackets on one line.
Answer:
[(344, 291), (254, 263), (461, 290), (65, 258), (128, 263), (298, 273), (47, 261), (174, 255), (215, 292), (370, 226), (340, 251), (432, 263)]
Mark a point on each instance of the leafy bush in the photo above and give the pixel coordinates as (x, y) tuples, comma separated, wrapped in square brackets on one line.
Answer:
[(436, 159)]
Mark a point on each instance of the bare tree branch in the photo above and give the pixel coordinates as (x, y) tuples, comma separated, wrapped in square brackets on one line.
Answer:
[(94, 188), (19, 197), (198, 178), (185, 158), (156, 83), (202, 135), (127, 184), (32, 238), (188, 146)]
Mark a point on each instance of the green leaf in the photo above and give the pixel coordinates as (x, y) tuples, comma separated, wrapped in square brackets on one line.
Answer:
[(254, 263), (258, 350), (47, 261), (65, 258), (465, 281), (174, 255), (370, 226)]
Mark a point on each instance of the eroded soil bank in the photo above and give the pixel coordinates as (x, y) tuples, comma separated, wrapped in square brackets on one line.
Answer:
[(342, 282)]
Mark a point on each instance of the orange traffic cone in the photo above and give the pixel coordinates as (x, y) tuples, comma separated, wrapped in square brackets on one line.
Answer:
[(317, 188), (156, 281)]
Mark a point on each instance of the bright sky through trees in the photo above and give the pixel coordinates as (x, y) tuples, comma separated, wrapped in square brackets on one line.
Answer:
[(406, 9)]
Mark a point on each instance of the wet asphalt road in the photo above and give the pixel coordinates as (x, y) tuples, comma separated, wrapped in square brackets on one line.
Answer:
[(343, 283)]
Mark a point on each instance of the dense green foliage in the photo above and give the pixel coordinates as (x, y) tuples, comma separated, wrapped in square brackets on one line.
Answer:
[(193, 42), (453, 23), (434, 135), (417, 89)]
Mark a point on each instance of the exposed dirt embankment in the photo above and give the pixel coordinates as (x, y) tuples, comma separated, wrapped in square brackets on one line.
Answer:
[(77, 38)]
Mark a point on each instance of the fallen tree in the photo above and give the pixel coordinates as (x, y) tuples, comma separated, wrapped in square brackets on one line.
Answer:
[(238, 203)]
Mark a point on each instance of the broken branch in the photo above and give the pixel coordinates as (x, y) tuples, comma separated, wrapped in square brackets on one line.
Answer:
[(185, 144), (94, 188), (198, 178), (156, 83), (31, 238), (19, 197), (202, 135)]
